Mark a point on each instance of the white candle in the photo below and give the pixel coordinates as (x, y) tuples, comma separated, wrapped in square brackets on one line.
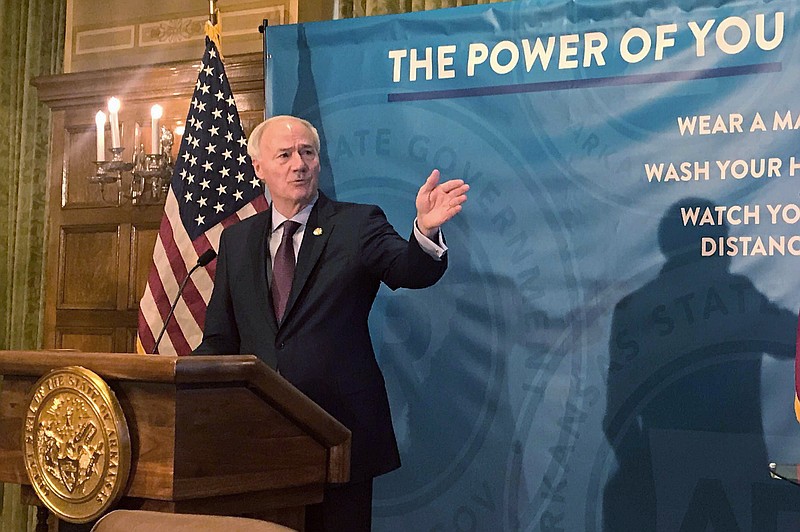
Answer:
[(155, 134), (113, 116), (100, 120)]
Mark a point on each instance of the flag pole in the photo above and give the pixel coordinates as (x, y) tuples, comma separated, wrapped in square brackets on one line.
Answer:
[(212, 12), (264, 58), (213, 26)]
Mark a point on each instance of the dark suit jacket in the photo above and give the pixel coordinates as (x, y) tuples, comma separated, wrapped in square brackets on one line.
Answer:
[(323, 346)]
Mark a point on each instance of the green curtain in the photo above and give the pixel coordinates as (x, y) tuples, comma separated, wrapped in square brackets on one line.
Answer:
[(31, 44), (362, 8)]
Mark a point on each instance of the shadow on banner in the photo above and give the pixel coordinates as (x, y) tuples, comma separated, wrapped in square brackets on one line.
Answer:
[(683, 413)]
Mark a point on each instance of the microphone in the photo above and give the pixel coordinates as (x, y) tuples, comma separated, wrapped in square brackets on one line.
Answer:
[(202, 260)]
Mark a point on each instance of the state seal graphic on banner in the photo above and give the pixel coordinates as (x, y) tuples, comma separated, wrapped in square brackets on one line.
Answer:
[(76, 444)]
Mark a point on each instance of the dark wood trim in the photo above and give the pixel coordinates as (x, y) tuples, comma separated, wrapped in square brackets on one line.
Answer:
[(143, 84)]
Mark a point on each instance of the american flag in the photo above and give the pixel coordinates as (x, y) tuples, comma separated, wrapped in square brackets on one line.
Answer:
[(213, 186)]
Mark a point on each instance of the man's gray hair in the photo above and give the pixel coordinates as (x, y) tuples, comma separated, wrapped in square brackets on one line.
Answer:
[(254, 142)]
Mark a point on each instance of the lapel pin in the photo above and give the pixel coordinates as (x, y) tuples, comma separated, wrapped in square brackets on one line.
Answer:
[(317, 231)]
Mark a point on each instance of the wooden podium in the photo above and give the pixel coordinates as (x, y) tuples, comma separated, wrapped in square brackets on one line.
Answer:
[(209, 434)]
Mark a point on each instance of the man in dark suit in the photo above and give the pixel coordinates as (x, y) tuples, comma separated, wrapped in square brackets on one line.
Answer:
[(308, 318)]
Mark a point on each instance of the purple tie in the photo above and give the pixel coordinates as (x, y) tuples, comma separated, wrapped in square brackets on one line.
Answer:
[(283, 269)]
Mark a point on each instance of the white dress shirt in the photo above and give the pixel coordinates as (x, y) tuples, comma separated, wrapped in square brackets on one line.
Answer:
[(434, 249)]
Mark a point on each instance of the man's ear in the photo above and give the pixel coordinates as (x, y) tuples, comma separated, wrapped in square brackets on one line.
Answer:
[(257, 167)]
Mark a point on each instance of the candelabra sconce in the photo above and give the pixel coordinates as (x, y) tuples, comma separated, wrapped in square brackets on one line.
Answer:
[(110, 173), (150, 174)]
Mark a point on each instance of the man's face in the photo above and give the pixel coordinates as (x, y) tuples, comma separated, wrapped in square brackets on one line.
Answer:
[(288, 164)]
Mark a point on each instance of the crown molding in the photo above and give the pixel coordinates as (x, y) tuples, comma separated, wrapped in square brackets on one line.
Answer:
[(143, 83)]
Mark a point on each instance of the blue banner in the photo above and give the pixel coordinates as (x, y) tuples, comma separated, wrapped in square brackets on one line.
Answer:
[(612, 347)]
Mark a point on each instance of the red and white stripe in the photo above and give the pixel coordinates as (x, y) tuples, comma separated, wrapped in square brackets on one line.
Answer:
[(174, 255)]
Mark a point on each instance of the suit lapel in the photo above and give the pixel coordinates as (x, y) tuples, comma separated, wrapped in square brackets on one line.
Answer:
[(318, 229), (258, 245)]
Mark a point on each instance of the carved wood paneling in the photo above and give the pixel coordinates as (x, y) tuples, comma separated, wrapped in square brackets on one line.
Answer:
[(143, 240), (89, 265), (99, 252), (79, 143), (88, 340), (131, 334)]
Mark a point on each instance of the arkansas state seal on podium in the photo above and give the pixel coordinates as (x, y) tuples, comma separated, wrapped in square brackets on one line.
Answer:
[(76, 444)]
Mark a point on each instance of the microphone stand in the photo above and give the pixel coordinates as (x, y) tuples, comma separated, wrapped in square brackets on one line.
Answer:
[(204, 259)]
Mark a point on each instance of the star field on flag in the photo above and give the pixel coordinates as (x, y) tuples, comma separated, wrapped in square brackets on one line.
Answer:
[(213, 174)]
